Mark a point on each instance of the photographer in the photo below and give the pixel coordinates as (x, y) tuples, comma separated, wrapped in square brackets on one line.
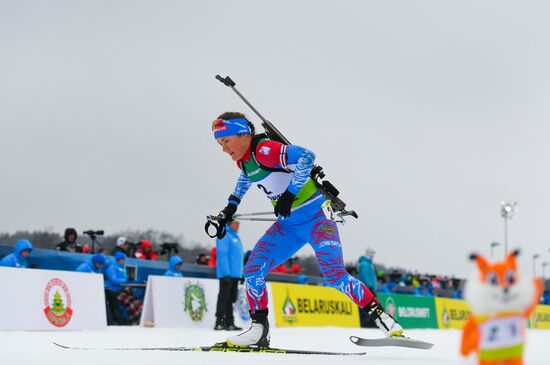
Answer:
[(69, 244), (146, 252), (121, 246)]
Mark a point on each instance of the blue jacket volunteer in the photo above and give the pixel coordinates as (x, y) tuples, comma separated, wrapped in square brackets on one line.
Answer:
[(94, 264), (19, 256), (174, 265), (116, 273), (229, 255)]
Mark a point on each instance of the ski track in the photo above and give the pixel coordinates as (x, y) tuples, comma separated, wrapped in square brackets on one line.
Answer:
[(36, 347)]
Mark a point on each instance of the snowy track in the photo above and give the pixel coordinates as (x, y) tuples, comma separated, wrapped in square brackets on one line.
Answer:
[(37, 348)]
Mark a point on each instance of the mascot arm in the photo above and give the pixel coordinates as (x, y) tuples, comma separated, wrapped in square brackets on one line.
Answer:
[(539, 285), (470, 337)]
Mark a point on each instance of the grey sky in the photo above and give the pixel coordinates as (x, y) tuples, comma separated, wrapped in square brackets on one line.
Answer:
[(425, 114)]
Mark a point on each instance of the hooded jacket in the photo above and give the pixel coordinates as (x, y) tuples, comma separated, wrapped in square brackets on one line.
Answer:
[(65, 245), (367, 274), (115, 274), (172, 271), (229, 255), (142, 255), (89, 264), (16, 259)]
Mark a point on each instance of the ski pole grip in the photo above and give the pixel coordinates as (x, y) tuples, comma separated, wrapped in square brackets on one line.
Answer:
[(226, 81)]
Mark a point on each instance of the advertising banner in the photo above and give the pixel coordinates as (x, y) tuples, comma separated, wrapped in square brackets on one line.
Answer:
[(540, 318), (410, 311), (452, 313), (51, 300), (307, 305), (188, 302)]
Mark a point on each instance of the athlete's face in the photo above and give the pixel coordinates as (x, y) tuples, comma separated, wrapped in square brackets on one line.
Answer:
[(235, 146)]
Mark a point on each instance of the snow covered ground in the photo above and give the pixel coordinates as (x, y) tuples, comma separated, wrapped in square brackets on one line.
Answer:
[(36, 347)]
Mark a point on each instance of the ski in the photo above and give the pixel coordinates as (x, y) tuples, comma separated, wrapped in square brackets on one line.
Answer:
[(218, 347), (392, 341)]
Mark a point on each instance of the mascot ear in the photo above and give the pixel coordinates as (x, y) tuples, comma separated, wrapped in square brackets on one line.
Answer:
[(481, 262), (511, 258)]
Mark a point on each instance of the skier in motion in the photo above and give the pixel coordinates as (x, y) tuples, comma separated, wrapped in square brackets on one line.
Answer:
[(282, 172)]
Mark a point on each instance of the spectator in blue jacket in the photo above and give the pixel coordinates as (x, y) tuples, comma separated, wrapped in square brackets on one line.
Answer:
[(93, 264), (229, 270), (19, 256), (367, 273), (174, 267)]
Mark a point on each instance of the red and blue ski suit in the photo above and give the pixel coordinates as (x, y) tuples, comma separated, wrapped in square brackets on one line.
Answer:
[(306, 225)]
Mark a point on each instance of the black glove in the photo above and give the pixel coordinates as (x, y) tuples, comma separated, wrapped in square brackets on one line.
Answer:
[(225, 216), (282, 208)]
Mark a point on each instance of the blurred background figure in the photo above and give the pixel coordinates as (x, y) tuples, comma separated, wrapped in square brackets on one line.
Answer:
[(146, 252), (121, 246), (202, 259), (93, 264), (229, 270), (174, 267), (69, 243), (19, 256)]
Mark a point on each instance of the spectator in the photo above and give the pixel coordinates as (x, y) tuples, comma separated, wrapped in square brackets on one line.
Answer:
[(146, 252), (229, 270), (281, 269), (174, 267), (19, 256), (202, 259), (93, 264), (121, 246), (367, 273), (295, 268), (116, 275), (69, 244), (212, 260)]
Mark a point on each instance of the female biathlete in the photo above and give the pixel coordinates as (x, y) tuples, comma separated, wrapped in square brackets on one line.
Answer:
[(282, 172)]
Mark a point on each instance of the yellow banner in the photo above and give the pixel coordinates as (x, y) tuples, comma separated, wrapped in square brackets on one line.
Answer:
[(540, 317), (308, 305), (452, 313)]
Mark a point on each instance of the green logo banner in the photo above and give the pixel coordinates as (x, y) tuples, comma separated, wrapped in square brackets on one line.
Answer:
[(410, 311)]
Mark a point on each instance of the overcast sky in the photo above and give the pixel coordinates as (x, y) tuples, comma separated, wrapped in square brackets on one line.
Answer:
[(424, 114)]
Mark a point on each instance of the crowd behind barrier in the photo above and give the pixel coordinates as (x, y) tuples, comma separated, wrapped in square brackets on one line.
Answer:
[(127, 267)]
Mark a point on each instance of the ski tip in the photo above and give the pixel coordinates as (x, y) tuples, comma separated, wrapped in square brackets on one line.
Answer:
[(354, 339)]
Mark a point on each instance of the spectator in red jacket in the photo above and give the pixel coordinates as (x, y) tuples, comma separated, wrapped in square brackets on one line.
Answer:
[(281, 269), (212, 260), (146, 252)]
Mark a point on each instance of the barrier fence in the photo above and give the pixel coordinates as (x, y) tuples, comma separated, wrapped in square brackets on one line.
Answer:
[(63, 300)]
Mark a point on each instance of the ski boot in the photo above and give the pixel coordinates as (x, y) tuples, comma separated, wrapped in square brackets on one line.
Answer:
[(257, 335), (386, 323)]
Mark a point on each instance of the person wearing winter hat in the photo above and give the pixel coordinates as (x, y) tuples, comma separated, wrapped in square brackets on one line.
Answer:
[(146, 252), (174, 267), (19, 256), (121, 246), (94, 264), (69, 243), (115, 276)]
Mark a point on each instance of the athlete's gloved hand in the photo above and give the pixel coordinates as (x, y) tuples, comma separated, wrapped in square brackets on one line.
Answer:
[(282, 208), (224, 217)]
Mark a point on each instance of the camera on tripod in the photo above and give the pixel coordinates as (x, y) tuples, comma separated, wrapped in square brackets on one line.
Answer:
[(93, 233), (168, 247)]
